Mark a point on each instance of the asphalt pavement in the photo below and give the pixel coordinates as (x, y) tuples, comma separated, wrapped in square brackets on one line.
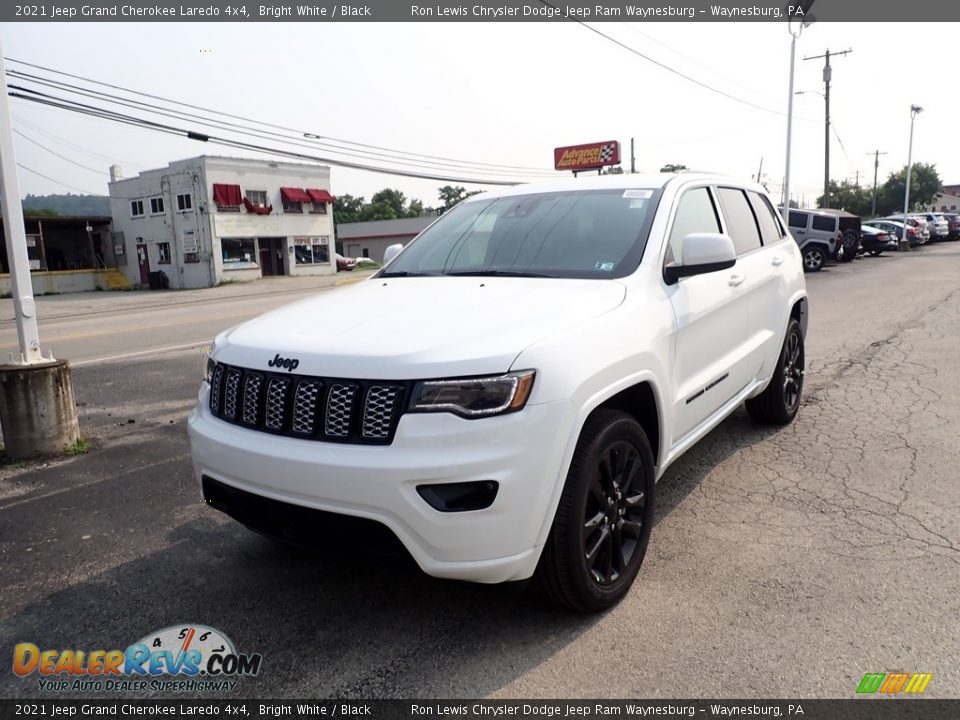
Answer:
[(784, 563)]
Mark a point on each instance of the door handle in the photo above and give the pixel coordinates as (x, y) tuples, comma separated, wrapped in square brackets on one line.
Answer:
[(777, 261), (736, 279)]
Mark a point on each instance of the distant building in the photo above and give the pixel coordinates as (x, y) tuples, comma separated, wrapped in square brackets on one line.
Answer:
[(946, 202), (951, 190), (66, 254), (371, 238), (207, 220)]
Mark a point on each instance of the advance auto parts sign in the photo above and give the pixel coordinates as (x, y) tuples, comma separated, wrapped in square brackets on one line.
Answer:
[(587, 157)]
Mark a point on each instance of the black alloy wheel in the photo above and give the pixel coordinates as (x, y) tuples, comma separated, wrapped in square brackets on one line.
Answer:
[(602, 526), (779, 402)]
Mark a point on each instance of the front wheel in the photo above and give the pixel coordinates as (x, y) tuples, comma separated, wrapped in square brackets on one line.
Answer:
[(813, 258), (602, 526), (779, 402)]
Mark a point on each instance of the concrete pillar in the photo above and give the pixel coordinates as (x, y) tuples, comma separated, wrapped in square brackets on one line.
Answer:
[(37, 410)]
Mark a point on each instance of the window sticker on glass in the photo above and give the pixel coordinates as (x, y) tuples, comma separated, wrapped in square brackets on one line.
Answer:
[(638, 194), (634, 204), (603, 266)]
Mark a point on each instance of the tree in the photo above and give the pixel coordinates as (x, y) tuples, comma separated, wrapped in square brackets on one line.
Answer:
[(346, 209), (925, 185), (672, 168), (40, 212), (847, 196), (389, 204), (451, 195)]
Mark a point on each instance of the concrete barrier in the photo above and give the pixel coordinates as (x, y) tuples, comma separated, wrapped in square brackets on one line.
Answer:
[(37, 409)]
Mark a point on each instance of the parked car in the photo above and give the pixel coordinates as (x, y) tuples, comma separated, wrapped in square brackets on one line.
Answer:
[(953, 225), (820, 236), (939, 227), (504, 394), (894, 228), (875, 241), (919, 226), (345, 263)]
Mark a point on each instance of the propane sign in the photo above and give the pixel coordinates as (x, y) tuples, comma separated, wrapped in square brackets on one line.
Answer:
[(587, 157)]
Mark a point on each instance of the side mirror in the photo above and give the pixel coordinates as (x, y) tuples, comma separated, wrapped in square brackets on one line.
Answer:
[(391, 252), (701, 253)]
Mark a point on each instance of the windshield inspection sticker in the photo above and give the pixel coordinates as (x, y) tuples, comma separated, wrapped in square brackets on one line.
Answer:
[(638, 194), (603, 266)]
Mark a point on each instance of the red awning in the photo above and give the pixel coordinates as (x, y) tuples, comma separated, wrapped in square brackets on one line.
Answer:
[(227, 195), (294, 195), (320, 196), (257, 209)]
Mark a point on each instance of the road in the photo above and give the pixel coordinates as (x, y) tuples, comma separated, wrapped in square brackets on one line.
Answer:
[(783, 563)]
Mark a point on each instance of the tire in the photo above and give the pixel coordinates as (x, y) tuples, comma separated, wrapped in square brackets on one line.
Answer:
[(851, 242), (779, 402), (876, 253), (606, 510), (814, 258)]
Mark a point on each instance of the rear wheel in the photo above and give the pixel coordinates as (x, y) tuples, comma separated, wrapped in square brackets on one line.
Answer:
[(778, 404), (851, 244), (602, 526), (813, 258)]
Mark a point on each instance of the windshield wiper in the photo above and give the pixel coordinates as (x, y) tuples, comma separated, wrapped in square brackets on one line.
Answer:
[(408, 273), (500, 273)]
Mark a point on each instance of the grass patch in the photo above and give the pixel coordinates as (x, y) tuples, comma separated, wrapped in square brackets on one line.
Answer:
[(80, 447)]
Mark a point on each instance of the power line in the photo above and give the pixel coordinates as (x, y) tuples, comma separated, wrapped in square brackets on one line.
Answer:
[(73, 106), (301, 133), (74, 146), (58, 182), (223, 125), (668, 68), (62, 157)]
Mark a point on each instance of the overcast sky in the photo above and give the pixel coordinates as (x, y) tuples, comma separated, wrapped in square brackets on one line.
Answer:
[(505, 93)]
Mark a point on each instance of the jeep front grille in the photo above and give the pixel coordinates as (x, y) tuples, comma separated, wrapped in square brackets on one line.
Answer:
[(315, 408)]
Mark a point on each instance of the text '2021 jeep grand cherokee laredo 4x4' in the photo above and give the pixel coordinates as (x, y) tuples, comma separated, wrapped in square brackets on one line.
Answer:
[(504, 394)]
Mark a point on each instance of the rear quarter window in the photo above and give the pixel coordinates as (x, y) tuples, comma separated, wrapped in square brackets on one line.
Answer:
[(821, 222)]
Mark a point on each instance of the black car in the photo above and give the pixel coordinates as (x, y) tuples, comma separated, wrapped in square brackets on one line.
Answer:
[(875, 241)]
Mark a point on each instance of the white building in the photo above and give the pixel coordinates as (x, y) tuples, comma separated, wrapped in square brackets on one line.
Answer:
[(208, 220)]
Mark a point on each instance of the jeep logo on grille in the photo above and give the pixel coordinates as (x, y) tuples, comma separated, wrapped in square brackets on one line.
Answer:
[(290, 364)]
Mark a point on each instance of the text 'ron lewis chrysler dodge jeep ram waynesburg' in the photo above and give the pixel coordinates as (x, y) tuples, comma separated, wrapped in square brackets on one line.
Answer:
[(504, 394)]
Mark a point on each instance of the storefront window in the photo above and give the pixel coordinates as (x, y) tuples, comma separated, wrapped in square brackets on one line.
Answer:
[(312, 250), (238, 253)]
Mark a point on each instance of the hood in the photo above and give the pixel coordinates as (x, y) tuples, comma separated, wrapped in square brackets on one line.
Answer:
[(413, 328)]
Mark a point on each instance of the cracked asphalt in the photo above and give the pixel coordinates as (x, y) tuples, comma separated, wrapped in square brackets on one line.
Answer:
[(784, 563)]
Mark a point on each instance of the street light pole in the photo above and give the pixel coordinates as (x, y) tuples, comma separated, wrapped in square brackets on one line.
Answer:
[(914, 111), (37, 409), (786, 176), (24, 308)]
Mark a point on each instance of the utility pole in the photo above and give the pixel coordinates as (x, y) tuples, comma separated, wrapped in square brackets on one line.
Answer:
[(760, 170), (37, 409), (876, 167), (827, 76), (633, 159)]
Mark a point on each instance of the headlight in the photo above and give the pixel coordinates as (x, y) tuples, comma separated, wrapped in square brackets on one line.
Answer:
[(209, 364), (474, 397)]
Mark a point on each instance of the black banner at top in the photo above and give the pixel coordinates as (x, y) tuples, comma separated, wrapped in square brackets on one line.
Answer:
[(473, 11), (549, 709)]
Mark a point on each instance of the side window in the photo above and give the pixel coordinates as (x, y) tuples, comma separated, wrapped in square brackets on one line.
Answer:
[(770, 230), (823, 222), (798, 220), (695, 213), (741, 224)]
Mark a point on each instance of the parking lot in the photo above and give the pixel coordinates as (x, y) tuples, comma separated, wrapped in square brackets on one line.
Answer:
[(784, 563)]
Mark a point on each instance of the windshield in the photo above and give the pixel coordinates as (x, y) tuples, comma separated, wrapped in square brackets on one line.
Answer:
[(570, 234)]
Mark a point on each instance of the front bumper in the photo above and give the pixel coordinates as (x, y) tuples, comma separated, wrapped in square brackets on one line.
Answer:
[(520, 451)]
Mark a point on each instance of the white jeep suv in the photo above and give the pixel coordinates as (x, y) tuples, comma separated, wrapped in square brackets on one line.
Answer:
[(504, 394)]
